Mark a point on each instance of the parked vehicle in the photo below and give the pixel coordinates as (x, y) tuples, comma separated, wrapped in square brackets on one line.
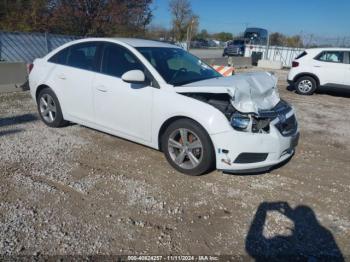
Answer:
[(159, 95), (256, 36), (320, 67), (234, 48)]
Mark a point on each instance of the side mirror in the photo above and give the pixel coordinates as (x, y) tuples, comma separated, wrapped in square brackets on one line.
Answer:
[(134, 77)]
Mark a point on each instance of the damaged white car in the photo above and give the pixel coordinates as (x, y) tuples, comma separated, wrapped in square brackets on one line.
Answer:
[(161, 96)]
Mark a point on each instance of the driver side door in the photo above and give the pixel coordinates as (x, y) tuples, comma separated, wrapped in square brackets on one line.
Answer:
[(122, 107)]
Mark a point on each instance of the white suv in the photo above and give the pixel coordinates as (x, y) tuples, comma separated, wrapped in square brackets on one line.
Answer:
[(320, 67)]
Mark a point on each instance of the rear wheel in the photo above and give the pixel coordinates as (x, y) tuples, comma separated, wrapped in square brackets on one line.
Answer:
[(49, 109), (306, 85), (188, 147)]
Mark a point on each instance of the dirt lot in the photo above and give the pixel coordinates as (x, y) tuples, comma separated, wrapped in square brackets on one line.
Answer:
[(78, 191)]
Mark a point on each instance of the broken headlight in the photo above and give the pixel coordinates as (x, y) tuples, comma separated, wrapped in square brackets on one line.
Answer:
[(250, 123), (240, 122)]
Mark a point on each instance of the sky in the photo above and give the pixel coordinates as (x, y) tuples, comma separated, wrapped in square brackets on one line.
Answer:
[(327, 18)]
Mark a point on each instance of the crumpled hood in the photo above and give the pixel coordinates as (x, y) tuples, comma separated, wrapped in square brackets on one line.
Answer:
[(250, 92)]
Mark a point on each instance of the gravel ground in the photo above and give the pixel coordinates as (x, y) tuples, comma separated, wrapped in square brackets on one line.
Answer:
[(77, 191)]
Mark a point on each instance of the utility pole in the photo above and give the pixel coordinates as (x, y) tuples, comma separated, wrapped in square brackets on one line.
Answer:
[(267, 46), (189, 34)]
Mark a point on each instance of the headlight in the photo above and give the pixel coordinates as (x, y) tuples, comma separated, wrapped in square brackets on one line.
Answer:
[(240, 122), (250, 123)]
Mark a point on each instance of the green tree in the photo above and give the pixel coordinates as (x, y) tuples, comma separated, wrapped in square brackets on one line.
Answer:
[(223, 36), (203, 34)]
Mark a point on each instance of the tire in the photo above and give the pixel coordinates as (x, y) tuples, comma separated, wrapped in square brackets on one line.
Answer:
[(197, 145), (306, 85), (49, 109)]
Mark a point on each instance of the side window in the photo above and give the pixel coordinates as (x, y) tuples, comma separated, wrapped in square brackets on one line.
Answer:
[(348, 55), (83, 56), (60, 57), (118, 60), (331, 56)]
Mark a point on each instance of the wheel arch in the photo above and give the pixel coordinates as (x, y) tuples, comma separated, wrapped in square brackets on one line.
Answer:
[(39, 89), (171, 120), (298, 76)]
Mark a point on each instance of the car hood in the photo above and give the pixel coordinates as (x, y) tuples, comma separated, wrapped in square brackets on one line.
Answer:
[(249, 92)]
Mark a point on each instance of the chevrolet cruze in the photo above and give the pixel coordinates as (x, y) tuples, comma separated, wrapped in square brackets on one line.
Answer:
[(159, 95)]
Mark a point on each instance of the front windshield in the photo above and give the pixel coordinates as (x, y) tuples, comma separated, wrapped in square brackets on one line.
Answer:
[(177, 66)]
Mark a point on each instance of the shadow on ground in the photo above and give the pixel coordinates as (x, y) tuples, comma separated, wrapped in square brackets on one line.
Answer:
[(16, 120), (332, 91), (308, 241)]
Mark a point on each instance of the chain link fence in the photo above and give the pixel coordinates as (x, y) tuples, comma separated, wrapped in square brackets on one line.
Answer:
[(25, 47)]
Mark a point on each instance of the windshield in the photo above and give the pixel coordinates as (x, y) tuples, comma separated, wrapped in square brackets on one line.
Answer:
[(177, 66)]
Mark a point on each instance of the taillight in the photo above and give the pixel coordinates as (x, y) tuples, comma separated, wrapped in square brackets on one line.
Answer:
[(30, 68), (295, 64)]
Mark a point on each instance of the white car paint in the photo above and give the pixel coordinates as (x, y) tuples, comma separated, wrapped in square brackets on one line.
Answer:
[(326, 73), (138, 114), (250, 92)]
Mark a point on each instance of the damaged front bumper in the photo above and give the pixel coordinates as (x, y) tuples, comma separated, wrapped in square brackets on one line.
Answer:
[(241, 152)]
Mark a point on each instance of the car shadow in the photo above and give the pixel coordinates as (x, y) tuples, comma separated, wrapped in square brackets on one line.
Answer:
[(307, 240), (16, 120), (325, 90)]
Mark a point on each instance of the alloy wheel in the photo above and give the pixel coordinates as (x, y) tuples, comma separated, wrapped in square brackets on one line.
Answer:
[(305, 86), (185, 148), (48, 108)]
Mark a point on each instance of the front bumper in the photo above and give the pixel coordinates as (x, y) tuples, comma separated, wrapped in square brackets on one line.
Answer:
[(229, 146)]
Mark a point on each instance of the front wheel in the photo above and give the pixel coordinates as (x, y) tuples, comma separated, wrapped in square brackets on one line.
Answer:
[(188, 148)]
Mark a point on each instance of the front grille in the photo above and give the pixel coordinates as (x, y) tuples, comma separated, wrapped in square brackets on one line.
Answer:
[(282, 108), (249, 158), (287, 126), (233, 49)]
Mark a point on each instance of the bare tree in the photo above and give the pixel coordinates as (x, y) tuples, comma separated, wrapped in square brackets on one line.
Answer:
[(183, 17)]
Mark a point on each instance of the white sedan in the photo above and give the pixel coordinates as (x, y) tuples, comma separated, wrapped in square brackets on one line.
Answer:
[(159, 95)]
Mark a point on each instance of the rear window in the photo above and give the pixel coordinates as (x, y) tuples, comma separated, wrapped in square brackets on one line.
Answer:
[(301, 55), (60, 57), (83, 56)]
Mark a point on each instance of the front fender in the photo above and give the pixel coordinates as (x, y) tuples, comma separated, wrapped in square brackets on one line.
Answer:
[(168, 105)]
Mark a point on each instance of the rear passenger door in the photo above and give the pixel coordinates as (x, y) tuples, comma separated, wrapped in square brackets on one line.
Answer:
[(74, 77), (330, 67)]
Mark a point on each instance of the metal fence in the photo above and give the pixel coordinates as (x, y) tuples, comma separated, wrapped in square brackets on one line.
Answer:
[(25, 47), (286, 55)]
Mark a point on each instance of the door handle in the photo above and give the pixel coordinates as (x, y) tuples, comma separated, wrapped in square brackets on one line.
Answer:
[(102, 88), (62, 76), (317, 66)]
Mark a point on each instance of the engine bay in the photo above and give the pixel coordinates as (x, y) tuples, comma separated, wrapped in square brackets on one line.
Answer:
[(222, 102)]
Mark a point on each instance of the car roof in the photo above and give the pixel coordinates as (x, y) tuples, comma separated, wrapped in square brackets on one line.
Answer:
[(134, 42), (319, 49)]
